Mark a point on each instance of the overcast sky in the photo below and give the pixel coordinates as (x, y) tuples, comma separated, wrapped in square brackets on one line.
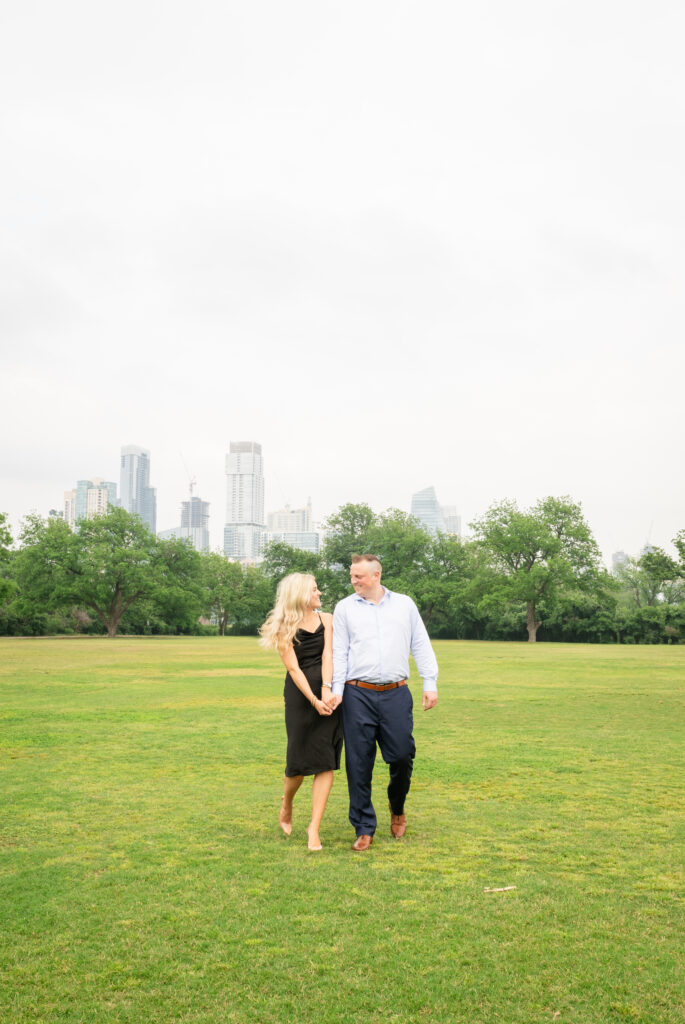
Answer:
[(399, 244)]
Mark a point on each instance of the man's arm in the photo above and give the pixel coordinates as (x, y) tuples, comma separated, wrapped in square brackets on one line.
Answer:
[(341, 645), (424, 657)]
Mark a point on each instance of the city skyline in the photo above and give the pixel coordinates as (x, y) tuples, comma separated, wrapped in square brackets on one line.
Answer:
[(460, 266), (246, 529), (301, 520)]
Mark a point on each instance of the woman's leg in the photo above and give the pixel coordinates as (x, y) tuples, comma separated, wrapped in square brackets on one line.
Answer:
[(321, 788), (291, 784)]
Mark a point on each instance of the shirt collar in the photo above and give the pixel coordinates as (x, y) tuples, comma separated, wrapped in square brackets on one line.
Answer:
[(386, 595)]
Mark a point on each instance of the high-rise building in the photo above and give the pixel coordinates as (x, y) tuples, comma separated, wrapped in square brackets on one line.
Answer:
[(136, 494), (451, 519), (618, 559), (434, 517), (426, 508), (89, 498), (194, 524), (293, 526), (244, 529), (70, 508), (291, 520), (308, 540)]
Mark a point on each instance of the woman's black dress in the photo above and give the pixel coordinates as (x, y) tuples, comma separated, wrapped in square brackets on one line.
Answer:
[(314, 741)]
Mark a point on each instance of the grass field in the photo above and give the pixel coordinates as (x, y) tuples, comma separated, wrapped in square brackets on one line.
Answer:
[(144, 878)]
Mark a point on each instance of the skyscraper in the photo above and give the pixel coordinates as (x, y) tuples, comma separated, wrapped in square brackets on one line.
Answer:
[(451, 519), (618, 560), (426, 508), (293, 526), (89, 498), (136, 494), (291, 519), (194, 524), (244, 529)]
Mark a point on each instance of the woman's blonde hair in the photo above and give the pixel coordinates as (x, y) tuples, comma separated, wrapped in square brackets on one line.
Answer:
[(292, 599)]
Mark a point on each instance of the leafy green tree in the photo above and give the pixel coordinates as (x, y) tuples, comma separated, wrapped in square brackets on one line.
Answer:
[(396, 537), (347, 535), (6, 585), (222, 585), (460, 577), (5, 537), (238, 597), (281, 559), (536, 553), (659, 572), (106, 566), (43, 571), (656, 624), (403, 547), (582, 616), (629, 579), (650, 580), (177, 600), (255, 600), (437, 572), (433, 579), (431, 570)]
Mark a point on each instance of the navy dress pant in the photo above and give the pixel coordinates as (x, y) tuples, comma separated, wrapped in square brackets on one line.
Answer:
[(385, 718)]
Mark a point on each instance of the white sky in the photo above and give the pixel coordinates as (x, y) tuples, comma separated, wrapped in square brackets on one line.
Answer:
[(399, 244)]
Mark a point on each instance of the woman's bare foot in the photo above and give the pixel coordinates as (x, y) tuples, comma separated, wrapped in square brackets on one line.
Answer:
[(285, 818), (313, 841)]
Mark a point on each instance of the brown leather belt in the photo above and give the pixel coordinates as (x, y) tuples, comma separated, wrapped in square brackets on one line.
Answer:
[(376, 686)]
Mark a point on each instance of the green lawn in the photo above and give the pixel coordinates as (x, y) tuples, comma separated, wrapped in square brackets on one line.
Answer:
[(144, 878)]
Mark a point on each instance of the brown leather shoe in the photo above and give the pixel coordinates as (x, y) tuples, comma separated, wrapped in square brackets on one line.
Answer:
[(362, 843), (398, 824)]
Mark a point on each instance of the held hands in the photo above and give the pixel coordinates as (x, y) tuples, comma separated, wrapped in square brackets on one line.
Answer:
[(330, 700), (322, 707), (430, 699)]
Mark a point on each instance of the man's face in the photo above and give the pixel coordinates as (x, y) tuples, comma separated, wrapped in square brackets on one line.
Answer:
[(364, 577)]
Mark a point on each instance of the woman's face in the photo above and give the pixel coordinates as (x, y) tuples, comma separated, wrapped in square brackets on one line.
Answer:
[(315, 599)]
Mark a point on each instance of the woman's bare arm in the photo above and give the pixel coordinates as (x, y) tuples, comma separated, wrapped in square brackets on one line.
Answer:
[(301, 682), (327, 657)]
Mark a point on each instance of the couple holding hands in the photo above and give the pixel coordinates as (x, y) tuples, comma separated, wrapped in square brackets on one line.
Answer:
[(348, 671)]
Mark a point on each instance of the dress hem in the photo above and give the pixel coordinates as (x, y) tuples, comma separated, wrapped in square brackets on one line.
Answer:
[(310, 771)]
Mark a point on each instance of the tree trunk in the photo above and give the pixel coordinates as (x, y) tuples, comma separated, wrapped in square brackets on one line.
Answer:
[(116, 610), (531, 624), (108, 620)]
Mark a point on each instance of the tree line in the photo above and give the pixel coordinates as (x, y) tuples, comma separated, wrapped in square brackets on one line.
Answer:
[(524, 574)]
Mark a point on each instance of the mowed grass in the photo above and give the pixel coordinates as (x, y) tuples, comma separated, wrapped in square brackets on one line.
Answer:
[(144, 878)]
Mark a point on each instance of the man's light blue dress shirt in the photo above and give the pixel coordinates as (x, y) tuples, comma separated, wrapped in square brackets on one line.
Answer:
[(372, 641)]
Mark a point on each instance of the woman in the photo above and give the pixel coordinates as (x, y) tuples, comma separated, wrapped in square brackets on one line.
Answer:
[(303, 636)]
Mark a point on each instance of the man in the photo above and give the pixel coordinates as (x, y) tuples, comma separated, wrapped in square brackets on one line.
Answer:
[(374, 630)]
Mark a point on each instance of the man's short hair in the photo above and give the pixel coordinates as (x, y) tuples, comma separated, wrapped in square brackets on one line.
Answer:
[(368, 557)]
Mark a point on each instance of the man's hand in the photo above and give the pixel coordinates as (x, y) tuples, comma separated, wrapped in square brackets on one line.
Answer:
[(430, 699), (334, 701)]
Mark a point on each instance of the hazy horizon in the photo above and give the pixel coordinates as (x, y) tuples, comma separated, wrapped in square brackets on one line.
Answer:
[(216, 527)]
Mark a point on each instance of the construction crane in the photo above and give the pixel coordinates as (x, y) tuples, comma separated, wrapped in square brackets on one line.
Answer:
[(192, 480)]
